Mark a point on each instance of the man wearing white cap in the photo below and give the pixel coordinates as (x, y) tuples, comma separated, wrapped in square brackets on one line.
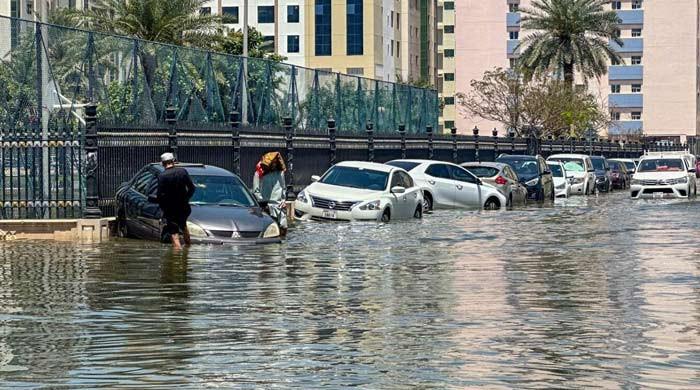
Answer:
[(175, 188)]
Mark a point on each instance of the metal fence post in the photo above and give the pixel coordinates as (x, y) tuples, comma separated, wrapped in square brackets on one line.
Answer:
[(402, 133), (235, 123), (331, 142), (92, 198), (455, 151), (170, 120), (476, 144), (494, 133), (370, 141), (289, 141), (431, 150)]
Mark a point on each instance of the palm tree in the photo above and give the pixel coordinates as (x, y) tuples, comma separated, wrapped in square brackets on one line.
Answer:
[(569, 36)]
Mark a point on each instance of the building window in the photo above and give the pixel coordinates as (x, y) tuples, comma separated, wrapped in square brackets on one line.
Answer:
[(355, 27), (449, 77), (636, 88), (449, 100), (266, 14), (205, 11), (513, 34), (636, 4), (449, 124), (398, 21), (292, 14), (292, 44), (323, 27), (615, 88), (616, 5), (636, 115), (512, 62), (449, 29), (356, 71), (448, 5), (513, 7), (614, 116), (230, 14), (636, 32), (449, 53), (636, 60)]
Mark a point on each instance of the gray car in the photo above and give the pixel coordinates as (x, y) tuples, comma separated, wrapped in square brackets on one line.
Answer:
[(502, 177), (223, 209)]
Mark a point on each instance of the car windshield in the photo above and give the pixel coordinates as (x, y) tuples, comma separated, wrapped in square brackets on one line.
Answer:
[(483, 171), (630, 165), (598, 164), (571, 164), (220, 190), (556, 170), (523, 167), (661, 165), (405, 165), (365, 179)]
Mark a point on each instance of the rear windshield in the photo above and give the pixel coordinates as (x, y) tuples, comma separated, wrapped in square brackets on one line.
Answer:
[(405, 165), (661, 165), (556, 170), (571, 164), (483, 171)]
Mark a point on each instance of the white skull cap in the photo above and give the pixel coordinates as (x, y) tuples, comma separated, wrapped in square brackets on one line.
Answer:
[(165, 157)]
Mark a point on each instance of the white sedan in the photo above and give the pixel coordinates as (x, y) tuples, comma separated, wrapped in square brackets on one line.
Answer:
[(447, 185), (562, 181), (354, 190)]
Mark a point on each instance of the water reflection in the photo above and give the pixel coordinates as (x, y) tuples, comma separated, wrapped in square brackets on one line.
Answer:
[(589, 292)]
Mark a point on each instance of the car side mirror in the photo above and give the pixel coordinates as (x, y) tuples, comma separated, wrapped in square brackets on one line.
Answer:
[(398, 190), (152, 199), (315, 178), (263, 204)]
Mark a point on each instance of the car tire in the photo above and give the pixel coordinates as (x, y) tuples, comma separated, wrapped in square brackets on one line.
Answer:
[(418, 214), (386, 216), (492, 204), (427, 203)]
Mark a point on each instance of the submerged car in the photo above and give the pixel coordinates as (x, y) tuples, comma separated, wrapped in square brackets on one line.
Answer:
[(603, 180), (660, 176), (447, 185), (562, 182), (223, 209), (501, 176), (533, 172), (619, 175), (355, 191), (580, 168), (629, 164)]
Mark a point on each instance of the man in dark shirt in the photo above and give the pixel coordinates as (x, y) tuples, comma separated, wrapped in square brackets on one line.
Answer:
[(175, 188)]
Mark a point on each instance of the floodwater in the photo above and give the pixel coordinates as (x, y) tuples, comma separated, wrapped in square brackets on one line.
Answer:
[(599, 292)]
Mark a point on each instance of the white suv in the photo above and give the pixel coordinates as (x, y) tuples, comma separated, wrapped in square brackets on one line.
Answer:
[(580, 167), (662, 175)]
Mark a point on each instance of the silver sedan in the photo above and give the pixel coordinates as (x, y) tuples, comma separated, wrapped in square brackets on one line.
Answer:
[(502, 177)]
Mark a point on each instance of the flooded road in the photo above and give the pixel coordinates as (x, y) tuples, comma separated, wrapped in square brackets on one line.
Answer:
[(599, 292)]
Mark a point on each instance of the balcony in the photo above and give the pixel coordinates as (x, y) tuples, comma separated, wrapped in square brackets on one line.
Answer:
[(626, 100), (620, 73), (631, 45), (511, 48), (513, 19), (631, 17), (625, 127)]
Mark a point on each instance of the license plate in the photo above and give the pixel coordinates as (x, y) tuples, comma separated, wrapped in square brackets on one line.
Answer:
[(657, 195), (330, 214)]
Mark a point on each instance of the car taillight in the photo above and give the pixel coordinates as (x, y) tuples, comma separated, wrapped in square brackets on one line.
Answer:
[(500, 180)]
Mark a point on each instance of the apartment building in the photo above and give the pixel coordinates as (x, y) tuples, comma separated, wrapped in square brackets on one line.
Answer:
[(654, 91), (446, 64)]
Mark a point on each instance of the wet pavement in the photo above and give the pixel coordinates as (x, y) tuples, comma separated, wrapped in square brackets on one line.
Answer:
[(590, 292)]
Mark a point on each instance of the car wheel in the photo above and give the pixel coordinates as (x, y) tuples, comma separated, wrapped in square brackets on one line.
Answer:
[(427, 203), (386, 216), (492, 204), (418, 214)]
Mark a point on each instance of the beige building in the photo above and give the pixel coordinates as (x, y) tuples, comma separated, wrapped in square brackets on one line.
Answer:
[(446, 63), (654, 92)]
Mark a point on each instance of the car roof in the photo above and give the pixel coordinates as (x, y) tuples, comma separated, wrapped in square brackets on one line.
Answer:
[(367, 165), (622, 159), (484, 164), (568, 155), (419, 161), (661, 155), (597, 157), (197, 169)]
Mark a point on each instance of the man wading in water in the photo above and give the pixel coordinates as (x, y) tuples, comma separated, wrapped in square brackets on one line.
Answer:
[(175, 188)]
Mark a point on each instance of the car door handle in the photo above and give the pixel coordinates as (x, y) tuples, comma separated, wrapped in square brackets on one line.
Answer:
[(431, 182), (459, 186)]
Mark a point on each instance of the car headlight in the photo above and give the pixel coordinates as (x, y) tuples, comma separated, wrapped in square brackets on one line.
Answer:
[(196, 230), (272, 231), (682, 180), (532, 182), (301, 197), (370, 205), (636, 182)]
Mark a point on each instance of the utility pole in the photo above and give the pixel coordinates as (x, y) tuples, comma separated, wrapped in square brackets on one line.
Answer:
[(244, 82)]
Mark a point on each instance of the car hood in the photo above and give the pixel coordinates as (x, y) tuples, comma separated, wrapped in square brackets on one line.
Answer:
[(601, 172), (659, 175), (341, 193), (242, 219)]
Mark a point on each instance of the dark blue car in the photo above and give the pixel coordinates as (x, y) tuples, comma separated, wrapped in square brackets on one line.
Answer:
[(533, 173)]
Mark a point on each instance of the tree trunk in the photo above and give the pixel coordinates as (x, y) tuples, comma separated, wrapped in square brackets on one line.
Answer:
[(569, 74)]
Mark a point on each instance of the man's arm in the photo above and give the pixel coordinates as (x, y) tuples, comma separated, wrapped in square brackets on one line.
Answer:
[(190, 186)]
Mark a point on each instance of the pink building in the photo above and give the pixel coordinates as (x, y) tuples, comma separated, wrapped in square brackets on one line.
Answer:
[(656, 91)]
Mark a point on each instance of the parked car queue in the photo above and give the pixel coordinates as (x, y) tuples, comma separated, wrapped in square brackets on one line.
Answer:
[(224, 210)]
